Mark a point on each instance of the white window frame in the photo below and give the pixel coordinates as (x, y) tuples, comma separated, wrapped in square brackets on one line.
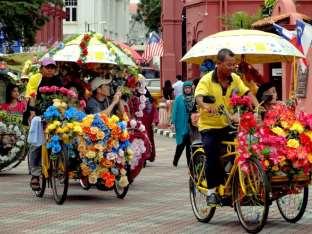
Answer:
[(71, 5)]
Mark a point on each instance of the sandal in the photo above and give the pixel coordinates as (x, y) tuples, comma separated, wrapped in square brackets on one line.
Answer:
[(34, 183)]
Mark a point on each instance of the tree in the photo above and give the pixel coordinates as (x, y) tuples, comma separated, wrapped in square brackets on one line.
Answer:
[(20, 20), (149, 12), (241, 19), (268, 7)]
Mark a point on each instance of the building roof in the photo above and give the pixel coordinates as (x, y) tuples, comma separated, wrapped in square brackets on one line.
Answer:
[(273, 19)]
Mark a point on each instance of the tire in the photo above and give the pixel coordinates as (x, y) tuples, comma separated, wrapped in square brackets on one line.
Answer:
[(59, 176), (284, 205), (201, 210), (43, 184), (255, 196), (120, 192)]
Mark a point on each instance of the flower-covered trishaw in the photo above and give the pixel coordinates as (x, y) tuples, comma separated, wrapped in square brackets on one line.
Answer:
[(269, 160), (12, 133), (95, 148)]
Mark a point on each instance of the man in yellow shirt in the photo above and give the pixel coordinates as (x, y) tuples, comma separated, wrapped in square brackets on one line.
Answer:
[(213, 94)]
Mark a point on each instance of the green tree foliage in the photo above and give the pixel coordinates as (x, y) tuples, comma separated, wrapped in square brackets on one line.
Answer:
[(240, 19), (268, 7), (149, 12), (22, 19)]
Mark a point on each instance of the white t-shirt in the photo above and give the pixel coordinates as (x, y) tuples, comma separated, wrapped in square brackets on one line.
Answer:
[(178, 88)]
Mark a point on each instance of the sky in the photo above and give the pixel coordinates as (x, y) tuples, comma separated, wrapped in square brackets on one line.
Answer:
[(134, 1)]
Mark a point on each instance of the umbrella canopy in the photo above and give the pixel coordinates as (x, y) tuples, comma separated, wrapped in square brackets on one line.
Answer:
[(256, 46), (91, 48), (130, 51)]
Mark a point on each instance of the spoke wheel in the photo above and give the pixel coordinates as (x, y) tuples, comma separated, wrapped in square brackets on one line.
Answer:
[(292, 206), (43, 184), (251, 197), (60, 177), (201, 210)]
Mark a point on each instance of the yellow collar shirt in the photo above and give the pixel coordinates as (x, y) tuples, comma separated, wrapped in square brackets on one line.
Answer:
[(209, 86)]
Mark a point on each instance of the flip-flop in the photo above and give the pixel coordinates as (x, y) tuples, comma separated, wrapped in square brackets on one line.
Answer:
[(34, 184)]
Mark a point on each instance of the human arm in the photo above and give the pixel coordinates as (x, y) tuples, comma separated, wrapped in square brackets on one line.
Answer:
[(116, 101)]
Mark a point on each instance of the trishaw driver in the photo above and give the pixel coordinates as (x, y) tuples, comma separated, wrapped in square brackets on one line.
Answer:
[(46, 77), (219, 85)]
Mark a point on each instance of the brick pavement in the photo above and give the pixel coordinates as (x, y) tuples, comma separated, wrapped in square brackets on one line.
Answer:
[(157, 202)]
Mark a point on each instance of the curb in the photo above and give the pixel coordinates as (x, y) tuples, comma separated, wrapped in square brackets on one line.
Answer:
[(164, 132)]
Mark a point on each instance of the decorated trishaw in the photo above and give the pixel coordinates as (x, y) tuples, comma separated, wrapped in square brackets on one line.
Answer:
[(270, 158), (96, 149), (12, 133)]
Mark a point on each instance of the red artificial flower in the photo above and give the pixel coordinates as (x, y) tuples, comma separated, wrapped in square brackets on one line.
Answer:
[(86, 37), (82, 45), (248, 121), (79, 62), (85, 52)]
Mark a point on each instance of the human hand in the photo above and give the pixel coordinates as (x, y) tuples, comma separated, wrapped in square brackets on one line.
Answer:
[(234, 118), (117, 97), (31, 116)]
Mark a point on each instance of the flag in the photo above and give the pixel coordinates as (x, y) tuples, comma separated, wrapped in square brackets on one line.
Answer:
[(288, 35), (293, 39), (154, 47), (304, 36)]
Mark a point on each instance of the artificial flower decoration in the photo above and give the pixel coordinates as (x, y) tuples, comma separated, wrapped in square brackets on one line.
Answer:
[(283, 143)]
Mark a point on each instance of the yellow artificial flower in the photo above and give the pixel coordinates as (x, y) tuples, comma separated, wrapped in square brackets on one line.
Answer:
[(100, 135), (51, 127), (57, 123), (63, 105), (82, 148), (94, 130), (93, 178), (70, 125), (297, 126), (123, 182), (90, 154), (285, 124), (77, 129), (114, 119), (293, 143), (279, 131)]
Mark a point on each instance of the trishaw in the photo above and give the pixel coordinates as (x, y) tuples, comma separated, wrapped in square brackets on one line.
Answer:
[(252, 180), (12, 133), (94, 149)]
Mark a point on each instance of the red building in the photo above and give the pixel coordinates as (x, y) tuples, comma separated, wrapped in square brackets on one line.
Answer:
[(185, 22), (52, 31)]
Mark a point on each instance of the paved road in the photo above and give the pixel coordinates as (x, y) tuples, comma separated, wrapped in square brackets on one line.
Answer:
[(157, 202)]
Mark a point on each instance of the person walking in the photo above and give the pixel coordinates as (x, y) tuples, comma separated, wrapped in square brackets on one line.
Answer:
[(182, 108), (178, 86)]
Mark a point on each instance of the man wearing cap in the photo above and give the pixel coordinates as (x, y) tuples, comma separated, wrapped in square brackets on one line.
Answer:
[(101, 100), (46, 77)]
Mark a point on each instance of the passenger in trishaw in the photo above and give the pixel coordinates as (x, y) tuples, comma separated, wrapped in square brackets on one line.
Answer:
[(101, 100), (46, 77), (218, 86)]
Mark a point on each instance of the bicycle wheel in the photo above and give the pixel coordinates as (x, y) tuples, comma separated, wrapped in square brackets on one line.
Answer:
[(43, 184), (60, 176), (251, 197), (292, 206), (201, 210)]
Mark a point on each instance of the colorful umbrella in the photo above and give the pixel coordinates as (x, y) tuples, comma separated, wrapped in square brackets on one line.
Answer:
[(91, 48), (131, 52), (256, 46)]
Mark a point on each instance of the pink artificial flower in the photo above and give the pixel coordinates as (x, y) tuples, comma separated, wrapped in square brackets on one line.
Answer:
[(54, 89), (63, 90)]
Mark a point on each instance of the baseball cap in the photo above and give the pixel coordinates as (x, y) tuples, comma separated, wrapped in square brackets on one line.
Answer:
[(98, 81), (47, 61)]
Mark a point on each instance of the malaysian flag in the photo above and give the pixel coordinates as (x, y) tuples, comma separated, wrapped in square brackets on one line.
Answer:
[(297, 38), (153, 47)]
